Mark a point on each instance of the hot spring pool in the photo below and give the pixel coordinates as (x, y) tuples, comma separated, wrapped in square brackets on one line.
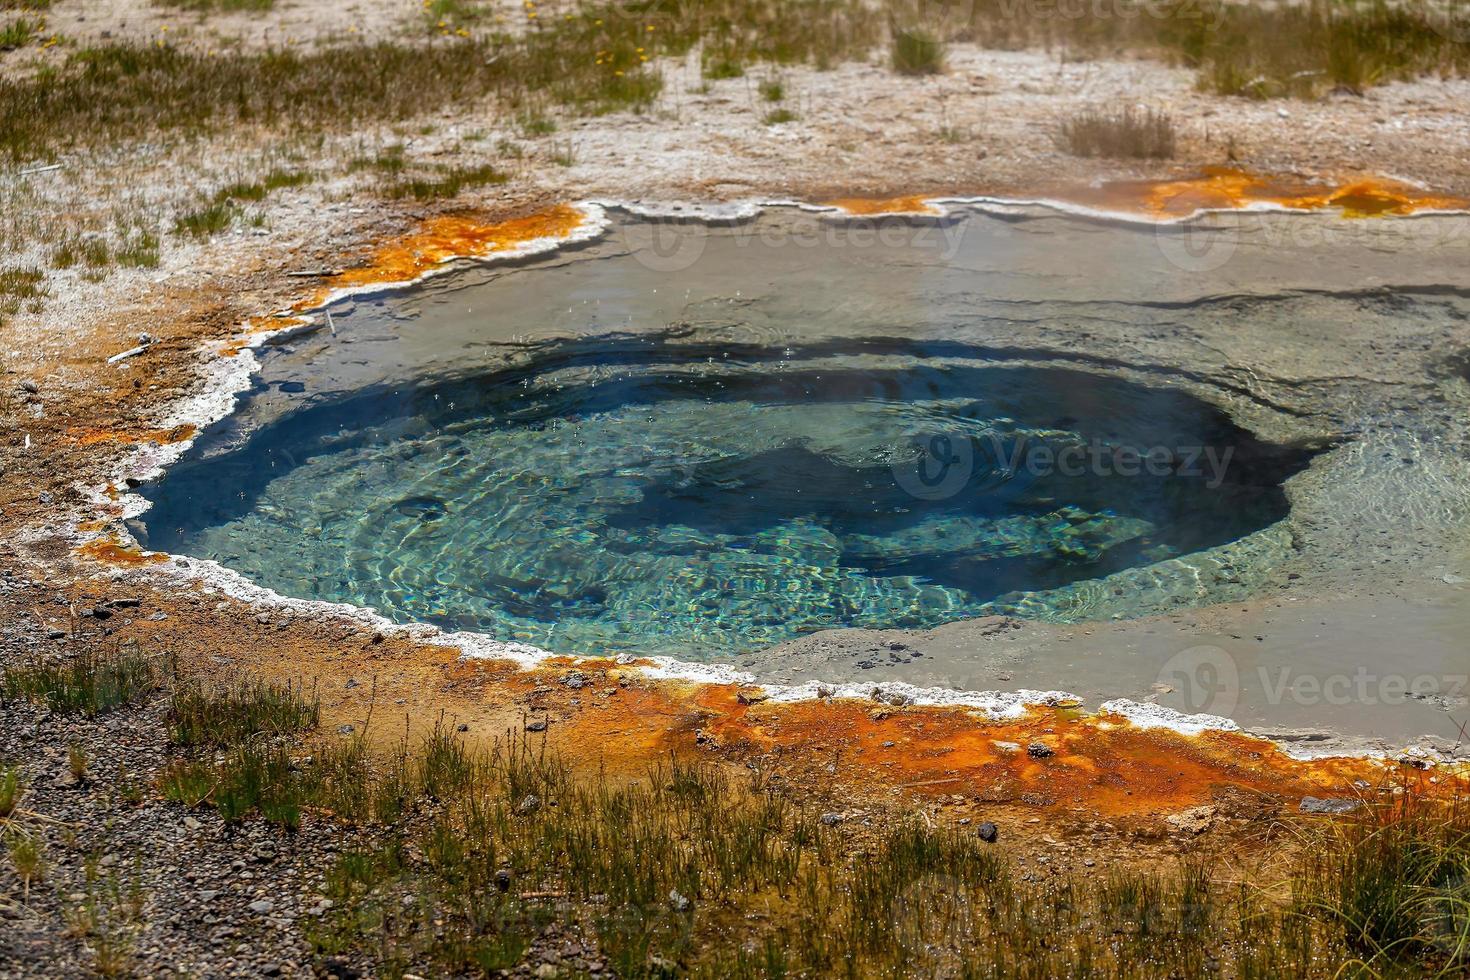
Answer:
[(596, 453)]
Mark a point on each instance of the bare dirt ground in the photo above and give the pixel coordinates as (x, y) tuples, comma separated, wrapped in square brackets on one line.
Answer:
[(986, 125)]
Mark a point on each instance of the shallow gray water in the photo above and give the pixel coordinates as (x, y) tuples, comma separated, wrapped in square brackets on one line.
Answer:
[(703, 441)]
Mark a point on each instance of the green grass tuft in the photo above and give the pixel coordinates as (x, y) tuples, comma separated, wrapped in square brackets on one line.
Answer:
[(209, 220), (139, 250), (446, 15), (107, 914), (230, 713), (88, 684), (11, 788), (223, 206), (388, 161), (449, 182), (18, 33), (20, 287), (258, 190), (916, 51)]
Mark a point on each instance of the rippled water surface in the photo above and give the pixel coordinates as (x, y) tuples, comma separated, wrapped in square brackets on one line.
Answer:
[(620, 450)]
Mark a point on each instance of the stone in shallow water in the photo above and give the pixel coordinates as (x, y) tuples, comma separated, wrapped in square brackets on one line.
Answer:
[(1315, 804)]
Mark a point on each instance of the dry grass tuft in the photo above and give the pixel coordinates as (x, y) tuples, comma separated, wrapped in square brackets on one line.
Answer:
[(1142, 134)]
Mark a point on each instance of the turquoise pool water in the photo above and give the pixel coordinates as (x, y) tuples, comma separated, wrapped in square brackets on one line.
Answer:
[(658, 494)]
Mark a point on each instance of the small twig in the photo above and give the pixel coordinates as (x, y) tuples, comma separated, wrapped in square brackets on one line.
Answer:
[(542, 895), (314, 273), (13, 907), (33, 815), (41, 170), (931, 782), (330, 325), (372, 703), (128, 353)]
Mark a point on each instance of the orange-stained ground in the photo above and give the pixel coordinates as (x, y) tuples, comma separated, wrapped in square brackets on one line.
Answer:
[(436, 241), (1217, 188), (1228, 188), (114, 552), (160, 437), (615, 718), (912, 204), (453, 236)]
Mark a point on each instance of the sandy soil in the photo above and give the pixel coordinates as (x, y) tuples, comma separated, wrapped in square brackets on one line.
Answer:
[(291, 22)]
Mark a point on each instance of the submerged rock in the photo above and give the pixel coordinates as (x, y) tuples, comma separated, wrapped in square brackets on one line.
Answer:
[(1317, 804)]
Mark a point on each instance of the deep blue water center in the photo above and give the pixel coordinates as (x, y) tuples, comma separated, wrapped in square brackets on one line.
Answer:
[(654, 494)]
